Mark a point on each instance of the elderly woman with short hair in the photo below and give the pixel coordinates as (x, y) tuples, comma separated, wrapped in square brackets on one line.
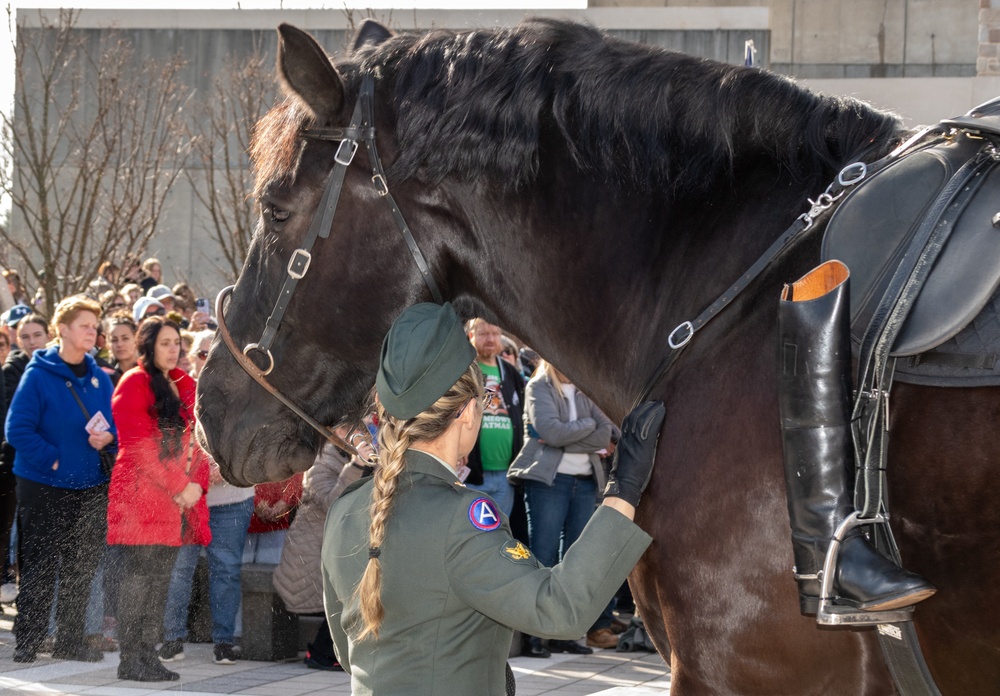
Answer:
[(59, 421)]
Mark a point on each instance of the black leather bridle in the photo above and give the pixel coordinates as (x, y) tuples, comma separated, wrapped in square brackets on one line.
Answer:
[(361, 129)]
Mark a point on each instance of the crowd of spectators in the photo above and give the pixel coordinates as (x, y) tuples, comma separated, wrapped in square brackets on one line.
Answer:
[(107, 503)]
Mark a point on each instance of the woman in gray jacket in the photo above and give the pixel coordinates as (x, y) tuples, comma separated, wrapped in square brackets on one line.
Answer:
[(298, 579), (566, 435)]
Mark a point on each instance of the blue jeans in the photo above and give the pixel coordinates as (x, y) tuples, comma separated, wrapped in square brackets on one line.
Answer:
[(496, 487), (558, 513), (264, 547), (225, 556)]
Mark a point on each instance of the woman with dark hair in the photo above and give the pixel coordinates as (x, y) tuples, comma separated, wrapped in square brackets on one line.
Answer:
[(122, 330), (157, 497)]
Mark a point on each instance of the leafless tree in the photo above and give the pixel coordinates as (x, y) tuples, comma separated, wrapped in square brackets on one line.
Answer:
[(97, 139), (220, 176)]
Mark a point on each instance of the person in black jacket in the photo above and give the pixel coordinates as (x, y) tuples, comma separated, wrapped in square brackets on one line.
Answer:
[(31, 332), (500, 434)]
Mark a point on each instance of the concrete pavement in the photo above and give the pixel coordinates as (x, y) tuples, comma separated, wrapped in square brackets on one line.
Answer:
[(606, 672)]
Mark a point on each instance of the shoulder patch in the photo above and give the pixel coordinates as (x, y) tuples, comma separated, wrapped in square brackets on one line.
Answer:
[(484, 515), (516, 552)]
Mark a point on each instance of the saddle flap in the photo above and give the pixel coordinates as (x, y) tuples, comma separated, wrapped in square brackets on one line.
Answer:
[(873, 226)]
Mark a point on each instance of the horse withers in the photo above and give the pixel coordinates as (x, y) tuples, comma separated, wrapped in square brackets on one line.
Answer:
[(589, 195)]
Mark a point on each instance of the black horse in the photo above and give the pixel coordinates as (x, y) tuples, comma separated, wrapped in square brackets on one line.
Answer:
[(589, 195)]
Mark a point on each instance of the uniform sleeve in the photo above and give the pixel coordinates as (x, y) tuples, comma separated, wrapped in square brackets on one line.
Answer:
[(543, 414), (491, 573)]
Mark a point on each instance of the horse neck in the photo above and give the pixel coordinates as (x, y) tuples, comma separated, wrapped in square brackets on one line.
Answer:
[(595, 282)]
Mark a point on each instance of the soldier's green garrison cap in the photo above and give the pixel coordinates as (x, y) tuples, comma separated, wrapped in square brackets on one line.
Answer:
[(423, 355)]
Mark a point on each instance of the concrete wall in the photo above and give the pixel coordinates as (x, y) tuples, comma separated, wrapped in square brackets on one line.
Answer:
[(860, 38)]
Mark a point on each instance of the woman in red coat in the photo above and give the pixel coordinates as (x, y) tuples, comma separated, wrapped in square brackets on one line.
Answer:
[(156, 500)]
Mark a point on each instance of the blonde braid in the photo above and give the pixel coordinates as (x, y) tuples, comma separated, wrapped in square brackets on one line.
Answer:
[(395, 437), (392, 446)]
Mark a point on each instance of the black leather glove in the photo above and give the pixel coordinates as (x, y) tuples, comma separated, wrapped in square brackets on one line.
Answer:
[(633, 463)]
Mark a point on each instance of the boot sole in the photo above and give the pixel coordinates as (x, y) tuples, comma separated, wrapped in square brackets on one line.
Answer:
[(897, 602), (809, 606)]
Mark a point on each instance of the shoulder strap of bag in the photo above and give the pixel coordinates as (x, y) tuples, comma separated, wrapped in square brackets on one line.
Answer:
[(78, 401)]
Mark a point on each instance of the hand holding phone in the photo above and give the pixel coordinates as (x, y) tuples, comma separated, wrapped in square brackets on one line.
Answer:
[(203, 305)]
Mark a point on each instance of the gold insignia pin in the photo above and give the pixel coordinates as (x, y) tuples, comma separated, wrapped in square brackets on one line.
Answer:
[(519, 552)]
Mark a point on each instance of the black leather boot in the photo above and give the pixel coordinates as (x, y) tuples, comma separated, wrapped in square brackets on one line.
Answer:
[(814, 391)]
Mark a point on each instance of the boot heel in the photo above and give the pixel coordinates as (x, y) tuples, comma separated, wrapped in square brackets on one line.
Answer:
[(808, 605)]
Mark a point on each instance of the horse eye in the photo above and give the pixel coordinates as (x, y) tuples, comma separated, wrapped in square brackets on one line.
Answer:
[(279, 215)]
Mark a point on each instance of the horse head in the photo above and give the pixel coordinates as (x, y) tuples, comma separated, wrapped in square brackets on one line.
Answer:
[(358, 278)]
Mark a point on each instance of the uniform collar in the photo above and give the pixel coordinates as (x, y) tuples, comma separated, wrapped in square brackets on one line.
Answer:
[(421, 462)]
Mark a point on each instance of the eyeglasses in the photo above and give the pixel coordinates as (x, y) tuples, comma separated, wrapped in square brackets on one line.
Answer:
[(487, 397), (158, 312), (117, 305), (203, 354), (484, 401)]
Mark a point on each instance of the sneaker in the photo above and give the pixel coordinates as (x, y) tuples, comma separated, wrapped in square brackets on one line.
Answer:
[(329, 664), (8, 592), (145, 671), (569, 646), (225, 654), (171, 651), (602, 638), (48, 646)]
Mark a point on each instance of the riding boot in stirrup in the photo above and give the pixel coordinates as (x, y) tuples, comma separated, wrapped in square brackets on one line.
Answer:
[(814, 389)]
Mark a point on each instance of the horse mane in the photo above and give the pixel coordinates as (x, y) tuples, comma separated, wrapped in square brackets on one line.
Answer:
[(488, 103)]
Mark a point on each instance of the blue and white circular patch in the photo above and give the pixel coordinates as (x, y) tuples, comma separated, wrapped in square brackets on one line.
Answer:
[(484, 515)]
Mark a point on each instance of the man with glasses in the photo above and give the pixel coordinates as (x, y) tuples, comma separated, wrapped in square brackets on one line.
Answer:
[(500, 436)]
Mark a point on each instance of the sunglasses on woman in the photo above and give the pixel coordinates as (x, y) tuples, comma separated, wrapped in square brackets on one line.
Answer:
[(484, 401)]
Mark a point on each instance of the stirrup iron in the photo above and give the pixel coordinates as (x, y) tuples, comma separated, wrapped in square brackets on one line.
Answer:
[(830, 614)]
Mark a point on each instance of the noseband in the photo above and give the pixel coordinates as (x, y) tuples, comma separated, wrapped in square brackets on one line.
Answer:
[(361, 128)]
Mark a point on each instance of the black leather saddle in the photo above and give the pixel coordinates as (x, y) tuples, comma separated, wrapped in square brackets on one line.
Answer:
[(877, 222)]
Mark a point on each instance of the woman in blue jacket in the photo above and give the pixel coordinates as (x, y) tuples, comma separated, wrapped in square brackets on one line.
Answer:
[(62, 489)]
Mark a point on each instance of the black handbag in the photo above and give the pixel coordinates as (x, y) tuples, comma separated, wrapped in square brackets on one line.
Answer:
[(107, 456)]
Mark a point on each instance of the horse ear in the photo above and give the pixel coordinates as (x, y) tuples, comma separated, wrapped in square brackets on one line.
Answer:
[(307, 73), (370, 33)]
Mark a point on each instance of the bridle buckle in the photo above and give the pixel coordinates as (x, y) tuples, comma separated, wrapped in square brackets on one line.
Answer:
[(380, 185), (298, 265), (345, 152)]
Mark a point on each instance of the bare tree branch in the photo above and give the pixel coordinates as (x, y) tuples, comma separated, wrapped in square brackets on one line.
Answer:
[(220, 176), (97, 139)]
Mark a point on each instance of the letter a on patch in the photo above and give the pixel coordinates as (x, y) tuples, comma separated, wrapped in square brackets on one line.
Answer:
[(484, 515)]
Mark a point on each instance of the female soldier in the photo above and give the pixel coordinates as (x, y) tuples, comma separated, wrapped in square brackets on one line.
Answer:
[(423, 582)]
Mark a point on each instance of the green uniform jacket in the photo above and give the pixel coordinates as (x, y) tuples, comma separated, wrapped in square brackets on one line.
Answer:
[(455, 584)]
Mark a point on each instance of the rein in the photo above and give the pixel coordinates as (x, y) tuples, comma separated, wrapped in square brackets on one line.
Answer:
[(361, 128)]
